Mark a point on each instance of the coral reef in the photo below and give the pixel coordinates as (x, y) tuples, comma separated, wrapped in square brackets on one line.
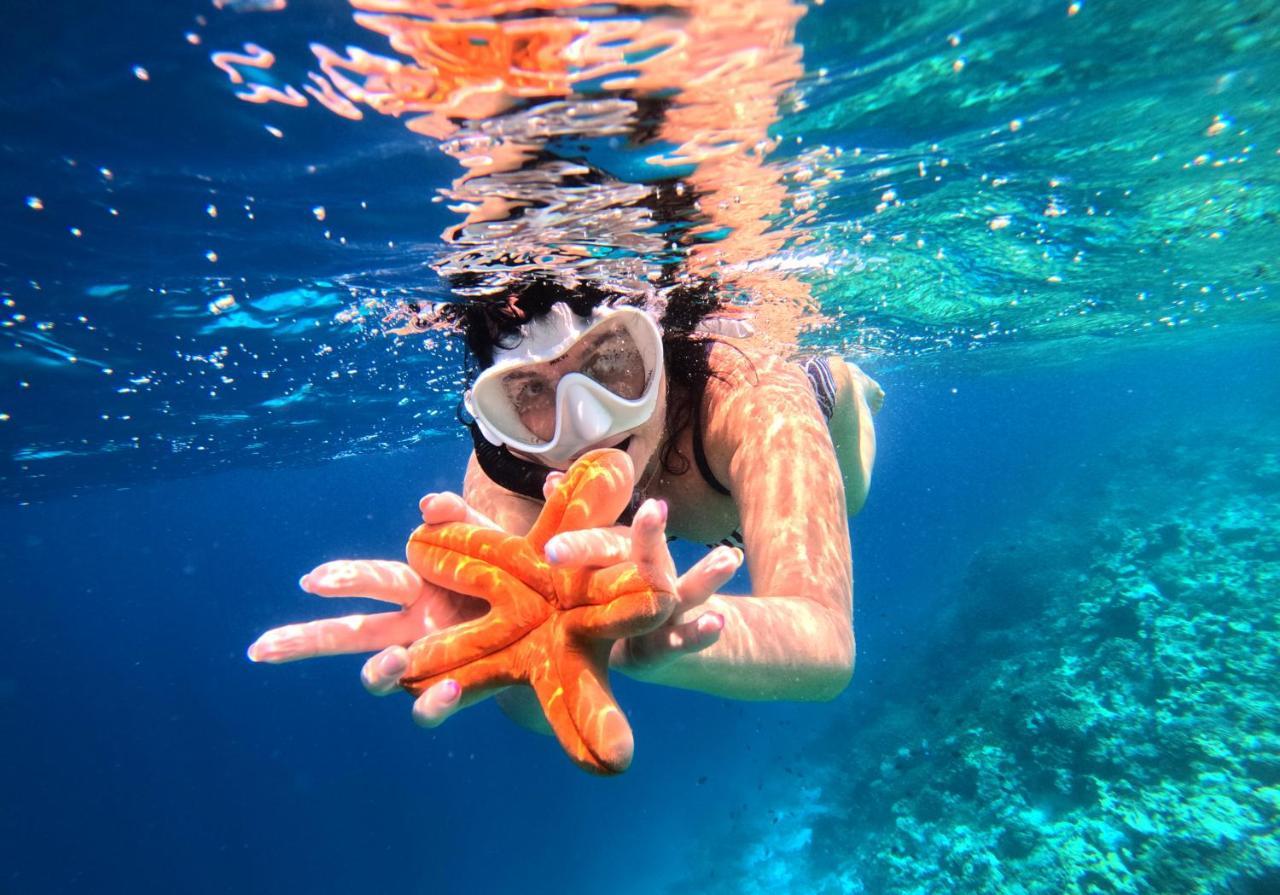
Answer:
[(1096, 712)]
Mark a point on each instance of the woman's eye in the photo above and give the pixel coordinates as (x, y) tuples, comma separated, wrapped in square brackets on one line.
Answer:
[(530, 395)]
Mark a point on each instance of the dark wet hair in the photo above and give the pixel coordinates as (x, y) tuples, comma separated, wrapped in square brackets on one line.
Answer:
[(490, 323)]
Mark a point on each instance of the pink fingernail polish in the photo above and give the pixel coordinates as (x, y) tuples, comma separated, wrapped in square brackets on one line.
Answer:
[(451, 690), (662, 510)]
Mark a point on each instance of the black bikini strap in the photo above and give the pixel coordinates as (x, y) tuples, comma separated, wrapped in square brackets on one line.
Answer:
[(700, 455)]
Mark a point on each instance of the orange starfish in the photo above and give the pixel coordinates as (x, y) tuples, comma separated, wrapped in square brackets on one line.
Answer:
[(547, 627)]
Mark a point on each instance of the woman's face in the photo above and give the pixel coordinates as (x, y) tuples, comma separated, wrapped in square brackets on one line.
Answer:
[(642, 442), (648, 437), (525, 391), (609, 357)]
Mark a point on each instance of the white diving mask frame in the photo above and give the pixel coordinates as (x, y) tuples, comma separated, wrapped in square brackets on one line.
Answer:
[(586, 411)]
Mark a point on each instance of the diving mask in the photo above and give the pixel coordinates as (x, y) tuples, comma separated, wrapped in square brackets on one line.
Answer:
[(571, 383)]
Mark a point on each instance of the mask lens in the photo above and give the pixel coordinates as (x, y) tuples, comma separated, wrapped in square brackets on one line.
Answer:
[(532, 395), (613, 359), (607, 353)]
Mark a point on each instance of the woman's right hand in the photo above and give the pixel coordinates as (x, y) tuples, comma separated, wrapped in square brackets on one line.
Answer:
[(425, 609)]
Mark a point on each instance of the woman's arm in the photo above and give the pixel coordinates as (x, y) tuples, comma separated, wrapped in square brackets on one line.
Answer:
[(793, 637)]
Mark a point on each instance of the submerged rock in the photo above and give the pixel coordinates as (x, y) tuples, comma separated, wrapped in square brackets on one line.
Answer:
[(1102, 699)]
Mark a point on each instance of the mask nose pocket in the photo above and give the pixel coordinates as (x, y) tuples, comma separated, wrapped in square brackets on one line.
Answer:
[(588, 417)]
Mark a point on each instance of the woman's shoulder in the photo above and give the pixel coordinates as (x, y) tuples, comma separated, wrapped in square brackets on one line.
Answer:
[(750, 389), (739, 368), (738, 360)]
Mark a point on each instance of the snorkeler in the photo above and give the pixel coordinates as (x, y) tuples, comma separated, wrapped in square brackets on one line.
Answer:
[(730, 445)]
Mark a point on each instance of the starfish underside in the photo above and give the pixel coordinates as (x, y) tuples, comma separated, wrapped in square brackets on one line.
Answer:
[(548, 628)]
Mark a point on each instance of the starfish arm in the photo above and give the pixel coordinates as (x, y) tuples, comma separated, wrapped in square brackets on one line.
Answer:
[(573, 587), (593, 493), (461, 557), (627, 615), (478, 679), (513, 598), (447, 650), (572, 684)]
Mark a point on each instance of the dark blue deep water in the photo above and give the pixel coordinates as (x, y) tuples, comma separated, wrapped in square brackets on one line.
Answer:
[(1067, 578)]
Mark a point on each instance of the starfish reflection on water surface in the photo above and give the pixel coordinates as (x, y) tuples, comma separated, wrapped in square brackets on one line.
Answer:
[(548, 627)]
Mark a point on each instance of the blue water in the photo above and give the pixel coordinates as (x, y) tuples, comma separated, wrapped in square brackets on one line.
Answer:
[(156, 517), (146, 754)]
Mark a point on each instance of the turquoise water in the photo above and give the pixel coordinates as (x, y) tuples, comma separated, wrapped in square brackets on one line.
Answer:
[(1049, 230)]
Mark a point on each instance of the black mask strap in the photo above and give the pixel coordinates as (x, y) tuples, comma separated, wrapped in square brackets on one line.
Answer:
[(521, 476), (506, 469)]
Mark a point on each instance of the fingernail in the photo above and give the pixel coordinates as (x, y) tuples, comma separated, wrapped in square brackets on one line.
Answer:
[(304, 581), (390, 664), (253, 652), (737, 551), (657, 508), (552, 554), (450, 691), (710, 622)]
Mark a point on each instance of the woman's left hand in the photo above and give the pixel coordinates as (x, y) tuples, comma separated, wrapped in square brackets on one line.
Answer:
[(425, 609)]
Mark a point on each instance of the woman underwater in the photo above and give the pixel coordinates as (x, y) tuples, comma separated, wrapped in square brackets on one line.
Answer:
[(729, 445)]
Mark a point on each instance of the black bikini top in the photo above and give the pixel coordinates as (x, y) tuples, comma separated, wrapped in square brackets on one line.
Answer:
[(700, 453)]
